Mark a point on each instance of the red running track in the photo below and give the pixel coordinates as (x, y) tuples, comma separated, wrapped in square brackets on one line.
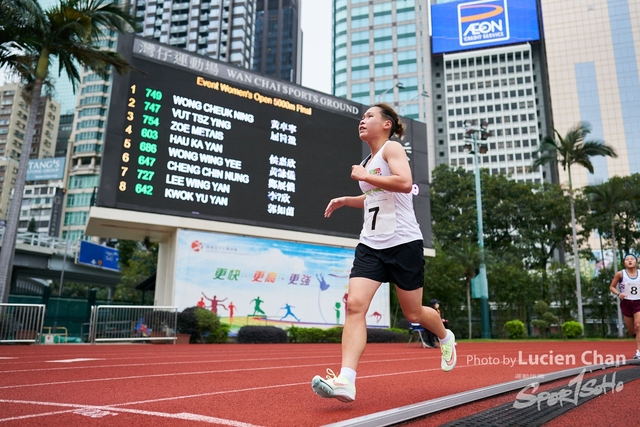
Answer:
[(264, 385)]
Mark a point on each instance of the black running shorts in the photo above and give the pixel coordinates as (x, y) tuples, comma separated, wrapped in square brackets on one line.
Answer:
[(402, 265)]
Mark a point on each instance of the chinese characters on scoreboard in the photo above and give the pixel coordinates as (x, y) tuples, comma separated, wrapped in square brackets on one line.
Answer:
[(282, 173)]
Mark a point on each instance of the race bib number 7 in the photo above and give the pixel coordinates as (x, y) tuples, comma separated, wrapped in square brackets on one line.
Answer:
[(379, 214)]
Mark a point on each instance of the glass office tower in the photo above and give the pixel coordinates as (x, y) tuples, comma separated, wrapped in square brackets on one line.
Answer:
[(381, 52), (278, 39), (593, 51)]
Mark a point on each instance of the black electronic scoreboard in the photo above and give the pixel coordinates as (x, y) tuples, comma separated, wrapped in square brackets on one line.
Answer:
[(192, 137)]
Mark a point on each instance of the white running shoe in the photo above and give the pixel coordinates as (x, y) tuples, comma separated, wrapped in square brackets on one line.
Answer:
[(637, 356), (449, 357), (337, 387)]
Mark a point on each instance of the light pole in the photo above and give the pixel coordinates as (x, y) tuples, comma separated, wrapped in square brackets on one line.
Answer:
[(404, 104), (64, 262), (471, 133), (399, 85)]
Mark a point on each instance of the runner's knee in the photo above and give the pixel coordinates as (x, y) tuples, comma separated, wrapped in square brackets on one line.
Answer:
[(355, 307), (412, 315)]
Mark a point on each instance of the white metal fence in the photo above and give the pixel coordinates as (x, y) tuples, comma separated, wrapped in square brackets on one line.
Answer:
[(21, 323), (110, 323), (44, 240)]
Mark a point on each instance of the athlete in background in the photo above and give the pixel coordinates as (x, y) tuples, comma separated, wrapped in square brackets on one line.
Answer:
[(626, 285)]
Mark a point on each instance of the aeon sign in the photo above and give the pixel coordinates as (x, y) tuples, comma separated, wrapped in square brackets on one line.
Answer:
[(483, 21)]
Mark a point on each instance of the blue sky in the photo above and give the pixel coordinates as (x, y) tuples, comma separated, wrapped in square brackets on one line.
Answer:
[(316, 46)]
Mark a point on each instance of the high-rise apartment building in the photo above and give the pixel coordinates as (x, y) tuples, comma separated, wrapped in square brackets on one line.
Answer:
[(501, 86), (14, 113), (43, 143), (84, 150), (594, 76), (220, 29), (278, 39)]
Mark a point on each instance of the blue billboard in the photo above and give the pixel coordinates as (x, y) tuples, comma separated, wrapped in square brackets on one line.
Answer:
[(98, 256), (466, 25)]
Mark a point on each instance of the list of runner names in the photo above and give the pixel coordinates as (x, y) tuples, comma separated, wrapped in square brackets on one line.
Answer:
[(198, 169)]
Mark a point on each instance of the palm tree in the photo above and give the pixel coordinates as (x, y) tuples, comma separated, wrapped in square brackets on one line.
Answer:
[(72, 32), (15, 18), (573, 149), (608, 198)]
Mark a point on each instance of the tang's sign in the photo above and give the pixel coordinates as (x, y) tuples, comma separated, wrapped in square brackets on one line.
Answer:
[(46, 169), (468, 25)]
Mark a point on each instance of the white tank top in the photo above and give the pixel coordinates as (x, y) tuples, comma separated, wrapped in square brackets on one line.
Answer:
[(630, 286), (389, 218)]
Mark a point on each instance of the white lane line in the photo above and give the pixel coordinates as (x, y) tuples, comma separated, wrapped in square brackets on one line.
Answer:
[(186, 416), (42, 414), (213, 393), (190, 362), (86, 359), (243, 390), (135, 365), (178, 374), (191, 355), (288, 355), (91, 408), (132, 377)]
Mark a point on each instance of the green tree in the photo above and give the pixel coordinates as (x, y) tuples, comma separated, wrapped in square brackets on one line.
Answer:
[(562, 289), (545, 226), (573, 149), (138, 261), (532, 220), (610, 199), (453, 204), (469, 257), (16, 17), (444, 281), (603, 306), (545, 318), (512, 290), (615, 211), (502, 202), (31, 226), (72, 32)]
